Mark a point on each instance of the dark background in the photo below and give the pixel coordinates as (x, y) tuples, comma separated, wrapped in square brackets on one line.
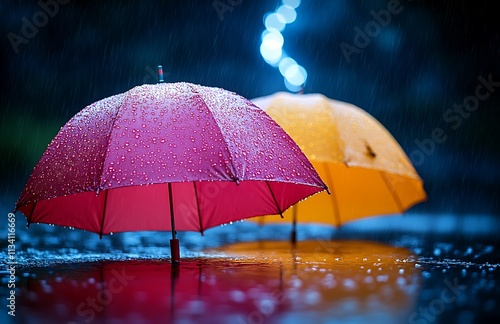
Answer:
[(426, 60)]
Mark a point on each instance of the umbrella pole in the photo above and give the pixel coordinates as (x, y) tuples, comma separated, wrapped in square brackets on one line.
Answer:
[(293, 237), (174, 242)]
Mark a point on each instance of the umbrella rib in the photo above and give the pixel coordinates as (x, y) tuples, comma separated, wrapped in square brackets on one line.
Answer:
[(103, 212), (392, 191), (274, 198), (335, 204), (198, 207), (109, 137), (220, 130)]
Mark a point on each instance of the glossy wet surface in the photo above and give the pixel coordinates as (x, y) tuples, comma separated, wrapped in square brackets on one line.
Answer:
[(390, 278)]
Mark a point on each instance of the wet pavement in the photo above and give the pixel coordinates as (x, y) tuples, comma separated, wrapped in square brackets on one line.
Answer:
[(232, 275)]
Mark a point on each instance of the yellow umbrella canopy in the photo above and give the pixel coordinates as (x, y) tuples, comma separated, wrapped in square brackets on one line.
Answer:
[(365, 168)]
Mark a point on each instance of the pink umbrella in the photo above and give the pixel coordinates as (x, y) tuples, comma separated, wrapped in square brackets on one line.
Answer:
[(132, 161)]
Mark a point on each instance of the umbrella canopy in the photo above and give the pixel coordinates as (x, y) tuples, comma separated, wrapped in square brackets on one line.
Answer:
[(365, 168), (132, 161)]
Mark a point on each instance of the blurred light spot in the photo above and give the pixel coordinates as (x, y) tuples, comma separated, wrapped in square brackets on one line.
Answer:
[(266, 306), (288, 13), (272, 56), (312, 297), (349, 284), (196, 307), (273, 40), (291, 87), (296, 282), (238, 296), (382, 278), (275, 22), (296, 74), (292, 3), (285, 63), (271, 48)]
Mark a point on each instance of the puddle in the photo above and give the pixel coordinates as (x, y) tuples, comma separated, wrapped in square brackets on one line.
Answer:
[(260, 282)]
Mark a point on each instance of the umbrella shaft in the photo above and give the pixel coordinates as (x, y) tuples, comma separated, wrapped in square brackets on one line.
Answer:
[(172, 220)]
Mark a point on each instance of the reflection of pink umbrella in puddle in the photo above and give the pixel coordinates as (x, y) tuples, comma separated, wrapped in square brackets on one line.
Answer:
[(195, 291), (132, 161)]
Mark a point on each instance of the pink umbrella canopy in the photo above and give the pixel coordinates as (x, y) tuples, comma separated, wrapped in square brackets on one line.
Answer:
[(169, 152)]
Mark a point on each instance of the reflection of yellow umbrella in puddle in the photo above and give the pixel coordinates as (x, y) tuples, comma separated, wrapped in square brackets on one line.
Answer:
[(341, 280), (365, 168)]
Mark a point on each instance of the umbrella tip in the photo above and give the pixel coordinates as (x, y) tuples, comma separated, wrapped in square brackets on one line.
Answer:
[(160, 74)]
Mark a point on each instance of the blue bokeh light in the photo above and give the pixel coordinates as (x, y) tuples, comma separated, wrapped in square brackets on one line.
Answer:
[(292, 3), (285, 63), (288, 13), (296, 74), (273, 40), (291, 87), (275, 21), (271, 55), (271, 48)]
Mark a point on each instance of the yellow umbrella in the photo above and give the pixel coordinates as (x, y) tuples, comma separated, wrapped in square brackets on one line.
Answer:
[(365, 168)]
